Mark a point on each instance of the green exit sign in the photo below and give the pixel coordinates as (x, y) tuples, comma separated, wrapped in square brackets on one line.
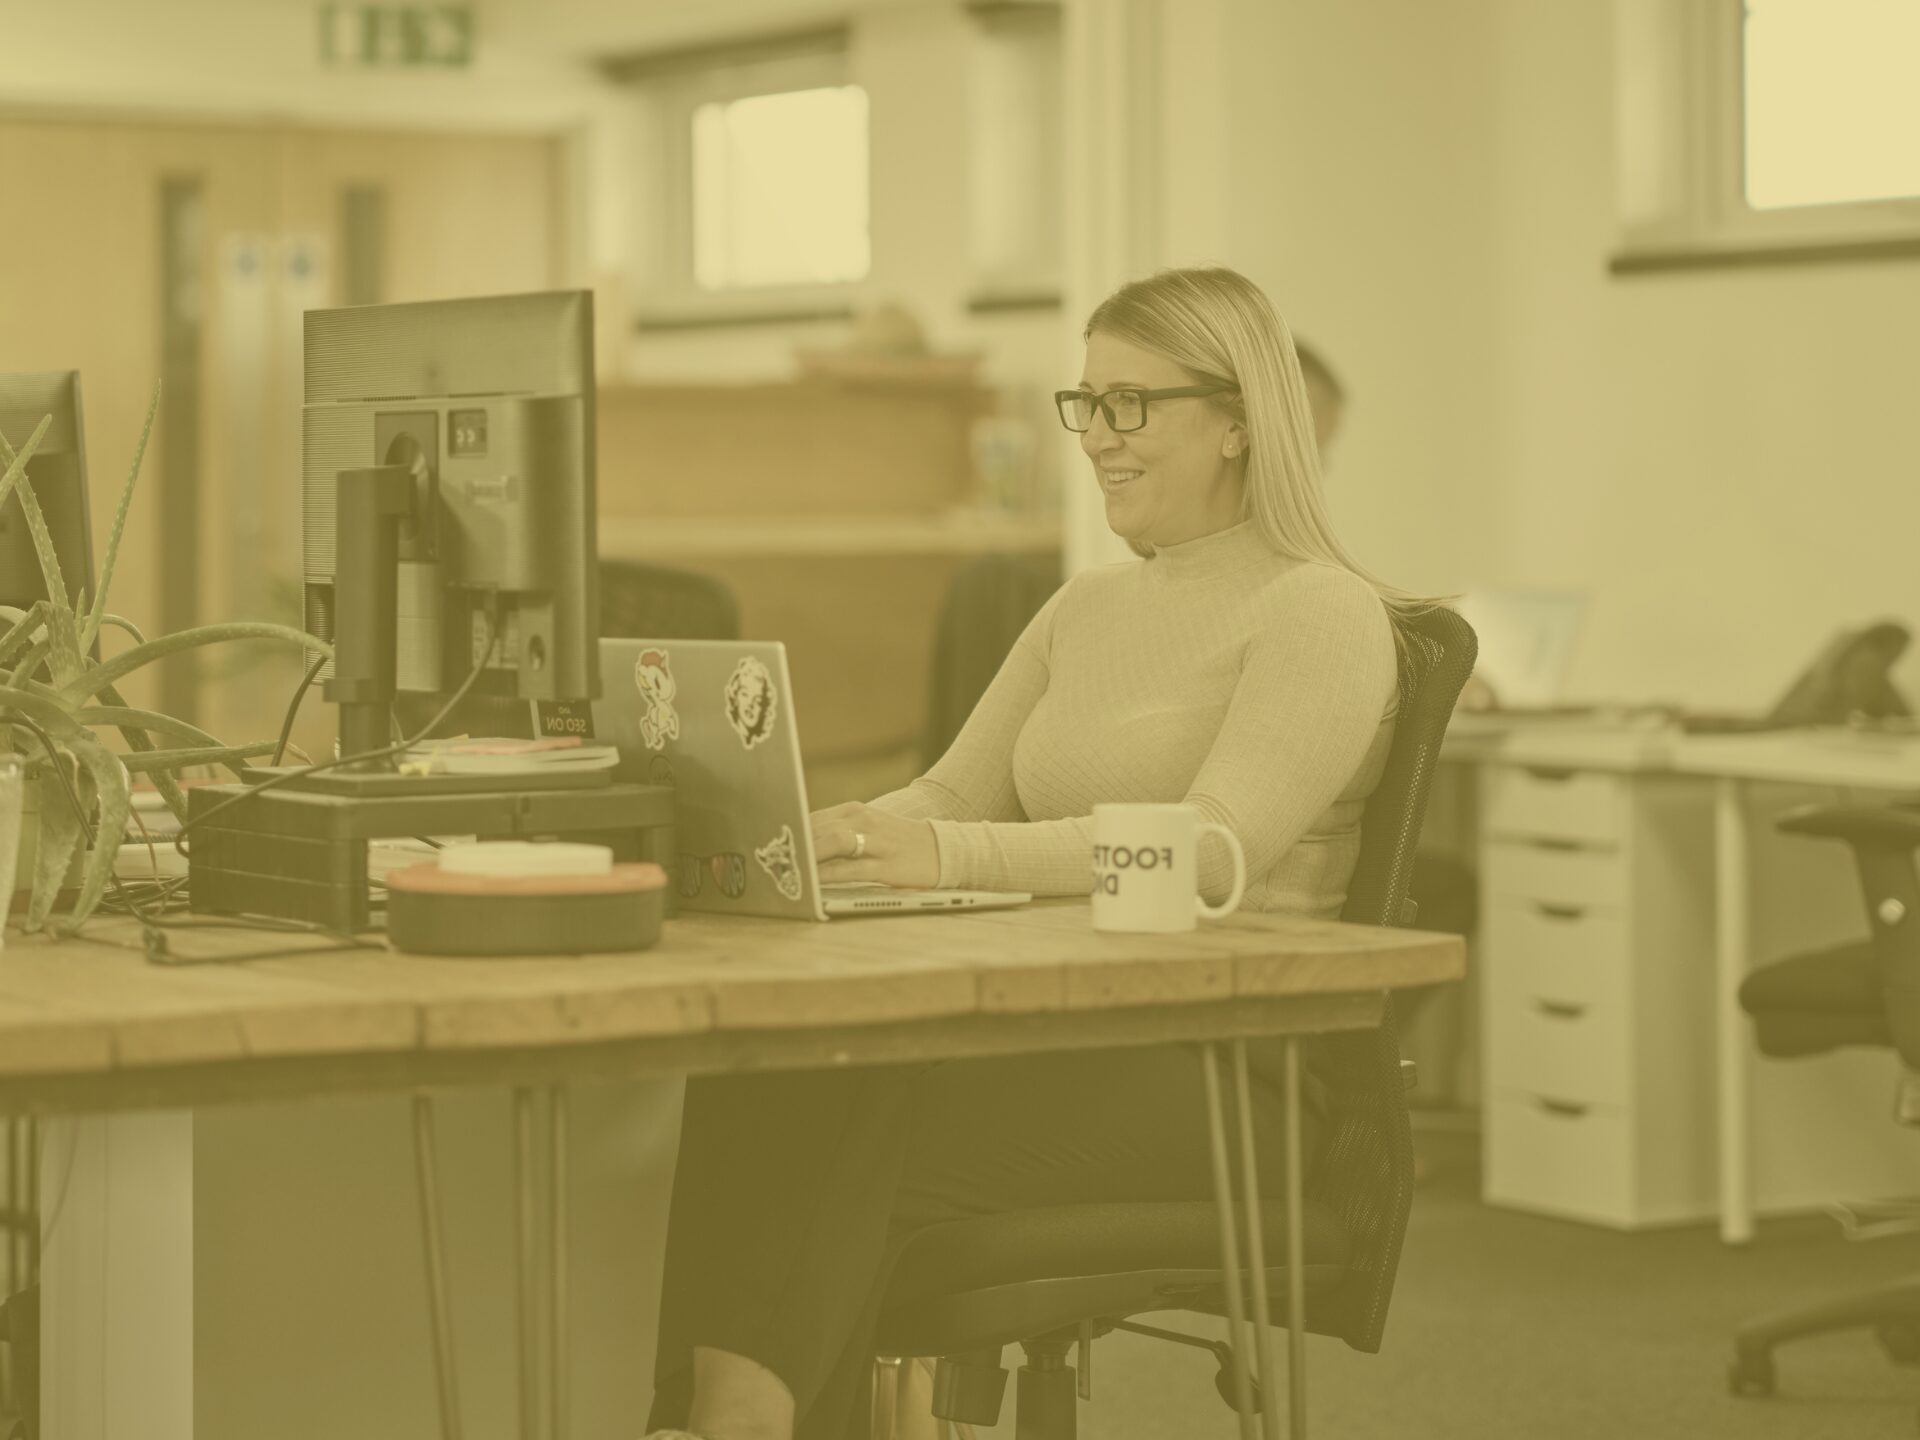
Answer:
[(397, 36)]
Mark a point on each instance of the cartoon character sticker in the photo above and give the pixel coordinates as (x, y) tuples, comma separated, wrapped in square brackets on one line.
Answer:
[(653, 678), (751, 701), (776, 857)]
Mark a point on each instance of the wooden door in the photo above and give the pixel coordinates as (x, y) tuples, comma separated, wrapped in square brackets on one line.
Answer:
[(216, 534)]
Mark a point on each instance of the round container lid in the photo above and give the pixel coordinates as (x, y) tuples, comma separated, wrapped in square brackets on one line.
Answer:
[(432, 879), (501, 859)]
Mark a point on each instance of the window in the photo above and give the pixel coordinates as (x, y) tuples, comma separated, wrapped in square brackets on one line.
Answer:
[(1765, 131), (751, 166), (1832, 110), (780, 189)]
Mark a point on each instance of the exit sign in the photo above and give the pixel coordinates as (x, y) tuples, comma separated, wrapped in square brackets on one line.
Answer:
[(397, 36)]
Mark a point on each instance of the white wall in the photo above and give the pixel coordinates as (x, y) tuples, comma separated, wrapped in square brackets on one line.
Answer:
[(1727, 458), (912, 59), (1360, 192), (262, 57)]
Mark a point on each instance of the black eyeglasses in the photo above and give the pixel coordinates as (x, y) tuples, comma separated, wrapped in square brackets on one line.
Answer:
[(1124, 407)]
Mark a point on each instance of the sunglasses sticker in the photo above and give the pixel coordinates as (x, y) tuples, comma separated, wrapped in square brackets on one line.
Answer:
[(751, 703), (776, 857), (653, 678), (726, 872)]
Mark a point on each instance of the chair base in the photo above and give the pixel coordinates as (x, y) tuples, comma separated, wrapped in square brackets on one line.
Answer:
[(1892, 1311)]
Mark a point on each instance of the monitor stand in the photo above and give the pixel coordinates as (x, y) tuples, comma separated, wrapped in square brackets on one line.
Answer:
[(299, 850)]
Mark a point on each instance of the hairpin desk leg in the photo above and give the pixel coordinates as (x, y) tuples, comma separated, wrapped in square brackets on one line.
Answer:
[(440, 1312), (1257, 1258), (557, 1217), (525, 1295), (1229, 1242)]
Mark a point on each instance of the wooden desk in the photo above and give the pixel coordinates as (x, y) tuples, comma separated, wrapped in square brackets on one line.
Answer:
[(90, 1025)]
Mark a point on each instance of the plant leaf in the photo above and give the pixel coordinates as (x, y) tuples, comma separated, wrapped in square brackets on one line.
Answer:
[(119, 622), (59, 834), (43, 707), (151, 760), (110, 827), (124, 716), (25, 623), (91, 680), (61, 625), (92, 626), (137, 737), (16, 461)]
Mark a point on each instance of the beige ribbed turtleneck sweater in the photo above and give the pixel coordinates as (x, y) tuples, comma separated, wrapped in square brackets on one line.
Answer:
[(1258, 689)]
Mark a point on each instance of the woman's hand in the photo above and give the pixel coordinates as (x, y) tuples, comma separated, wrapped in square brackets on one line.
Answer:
[(858, 842)]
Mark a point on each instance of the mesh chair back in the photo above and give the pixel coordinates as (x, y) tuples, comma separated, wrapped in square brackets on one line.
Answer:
[(647, 602), (1366, 1166), (989, 601)]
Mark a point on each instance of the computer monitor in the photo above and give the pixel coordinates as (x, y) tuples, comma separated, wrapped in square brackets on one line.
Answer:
[(58, 474), (488, 407)]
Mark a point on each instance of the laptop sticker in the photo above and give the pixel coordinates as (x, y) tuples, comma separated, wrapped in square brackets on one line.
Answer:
[(659, 770), (653, 678), (727, 871), (776, 857), (751, 705)]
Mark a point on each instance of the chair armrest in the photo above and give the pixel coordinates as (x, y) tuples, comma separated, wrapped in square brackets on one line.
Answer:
[(1882, 825)]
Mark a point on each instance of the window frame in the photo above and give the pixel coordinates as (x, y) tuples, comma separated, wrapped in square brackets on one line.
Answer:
[(670, 297), (1680, 155)]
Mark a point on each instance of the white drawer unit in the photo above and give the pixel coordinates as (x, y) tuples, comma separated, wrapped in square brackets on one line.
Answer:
[(1536, 801), (1564, 1049), (1562, 873), (1559, 1157), (1595, 956), (1552, 950)]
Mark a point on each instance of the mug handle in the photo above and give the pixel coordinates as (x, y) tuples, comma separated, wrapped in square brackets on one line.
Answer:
[(1232, 902)]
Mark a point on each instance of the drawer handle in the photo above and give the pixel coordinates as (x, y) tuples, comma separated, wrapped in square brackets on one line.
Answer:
[(1553, 774), (1559, 912), (1560, 1009), (1563, 1108)]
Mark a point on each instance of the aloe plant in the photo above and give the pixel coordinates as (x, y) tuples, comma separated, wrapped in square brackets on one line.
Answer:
[(77, 697)]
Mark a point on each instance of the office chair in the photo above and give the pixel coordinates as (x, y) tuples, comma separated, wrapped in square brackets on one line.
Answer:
[(988, 603), (657, 602), (1048, 1278), (1864, 993)]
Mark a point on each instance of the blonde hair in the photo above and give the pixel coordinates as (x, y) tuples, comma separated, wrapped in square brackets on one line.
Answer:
[(1220, 326)]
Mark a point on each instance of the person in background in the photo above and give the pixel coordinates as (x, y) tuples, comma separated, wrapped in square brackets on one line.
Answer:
[(1325, 394), (1246, 666)]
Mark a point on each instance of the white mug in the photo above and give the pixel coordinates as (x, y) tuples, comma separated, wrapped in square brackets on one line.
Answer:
[(1145, 874)]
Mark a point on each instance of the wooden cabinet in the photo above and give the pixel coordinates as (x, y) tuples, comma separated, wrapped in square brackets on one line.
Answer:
[(837, 511)]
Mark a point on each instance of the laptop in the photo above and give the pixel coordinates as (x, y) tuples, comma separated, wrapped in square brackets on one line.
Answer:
[(715, 719), (1527, 641)]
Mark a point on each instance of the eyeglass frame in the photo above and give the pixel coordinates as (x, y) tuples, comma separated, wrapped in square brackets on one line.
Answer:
[(1147, 397)]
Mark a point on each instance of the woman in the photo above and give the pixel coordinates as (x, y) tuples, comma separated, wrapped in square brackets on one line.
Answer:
[(1245, 667)]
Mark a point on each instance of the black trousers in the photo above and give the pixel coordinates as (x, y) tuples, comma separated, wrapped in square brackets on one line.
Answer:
[(795, 1194)]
